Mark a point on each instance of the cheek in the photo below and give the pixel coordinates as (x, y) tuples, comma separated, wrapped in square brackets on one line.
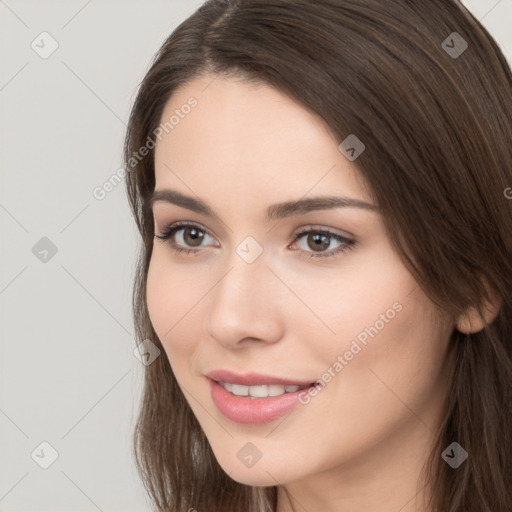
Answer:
[(393, 380), (382, 322), (171, 302), (160, 297), (401, 361), (353, 299)]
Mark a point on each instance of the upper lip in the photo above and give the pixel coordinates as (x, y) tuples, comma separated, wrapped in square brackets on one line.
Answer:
[(253, 379)]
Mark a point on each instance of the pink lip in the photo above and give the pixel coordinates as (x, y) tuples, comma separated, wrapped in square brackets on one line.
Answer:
[(255, 411), (253, 379)]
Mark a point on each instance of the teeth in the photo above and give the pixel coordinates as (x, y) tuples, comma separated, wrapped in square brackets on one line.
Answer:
[(262, 391), (276, 390), (258, 391), (228, 386), (239, 390)]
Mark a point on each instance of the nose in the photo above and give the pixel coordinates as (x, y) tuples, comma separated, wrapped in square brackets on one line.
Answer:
[(246, 305)]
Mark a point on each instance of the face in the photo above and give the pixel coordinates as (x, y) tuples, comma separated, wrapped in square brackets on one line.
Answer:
[(305, 295)]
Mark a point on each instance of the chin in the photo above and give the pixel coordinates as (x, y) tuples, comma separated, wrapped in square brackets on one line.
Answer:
[(263, 473), (254, 478)]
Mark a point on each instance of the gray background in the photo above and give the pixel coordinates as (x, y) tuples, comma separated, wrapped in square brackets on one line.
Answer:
[(68, 374)]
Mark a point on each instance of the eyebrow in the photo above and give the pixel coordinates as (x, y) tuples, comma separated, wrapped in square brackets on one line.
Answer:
[(275, 211)]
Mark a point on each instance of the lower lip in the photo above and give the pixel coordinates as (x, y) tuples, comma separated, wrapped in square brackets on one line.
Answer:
[(255, 411)]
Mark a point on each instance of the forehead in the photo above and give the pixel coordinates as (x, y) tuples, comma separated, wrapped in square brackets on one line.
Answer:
[(250, 138)]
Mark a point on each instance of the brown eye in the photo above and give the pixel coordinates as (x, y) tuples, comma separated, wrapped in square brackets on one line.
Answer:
[(183, 236), (315, 243), (192, 236), (318, 242)]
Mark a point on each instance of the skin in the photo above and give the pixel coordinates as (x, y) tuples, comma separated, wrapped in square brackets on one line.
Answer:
[(360, 444)]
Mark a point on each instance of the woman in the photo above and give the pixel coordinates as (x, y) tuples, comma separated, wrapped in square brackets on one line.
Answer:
[(320, 189)]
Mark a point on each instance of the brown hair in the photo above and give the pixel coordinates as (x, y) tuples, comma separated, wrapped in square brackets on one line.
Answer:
[(438, 134)]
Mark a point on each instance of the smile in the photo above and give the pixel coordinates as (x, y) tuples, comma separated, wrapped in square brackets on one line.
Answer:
[(263, 391), (254, 405)]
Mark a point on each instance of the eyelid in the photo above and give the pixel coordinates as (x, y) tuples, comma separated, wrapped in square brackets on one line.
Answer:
[(302, 230), (324, 229), (181, 224), (347, 244)]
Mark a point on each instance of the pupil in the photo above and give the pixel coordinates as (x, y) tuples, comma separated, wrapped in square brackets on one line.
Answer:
[(195, 235), (320, 241)]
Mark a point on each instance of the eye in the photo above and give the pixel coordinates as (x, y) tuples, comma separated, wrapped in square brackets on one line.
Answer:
[(318, 240), (186, 237)]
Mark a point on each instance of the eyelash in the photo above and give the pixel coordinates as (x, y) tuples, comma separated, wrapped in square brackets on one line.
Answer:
[(349, 244)]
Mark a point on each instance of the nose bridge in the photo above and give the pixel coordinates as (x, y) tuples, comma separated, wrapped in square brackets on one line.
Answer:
[(244, 302), (248, 269), (243, 284)]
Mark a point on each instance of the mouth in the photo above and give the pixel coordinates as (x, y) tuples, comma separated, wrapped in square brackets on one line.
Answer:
[(261, 391), (255, 399), (255, 380)]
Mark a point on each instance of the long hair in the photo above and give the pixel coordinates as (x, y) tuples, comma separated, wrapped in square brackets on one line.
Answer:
[(428, 91)]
